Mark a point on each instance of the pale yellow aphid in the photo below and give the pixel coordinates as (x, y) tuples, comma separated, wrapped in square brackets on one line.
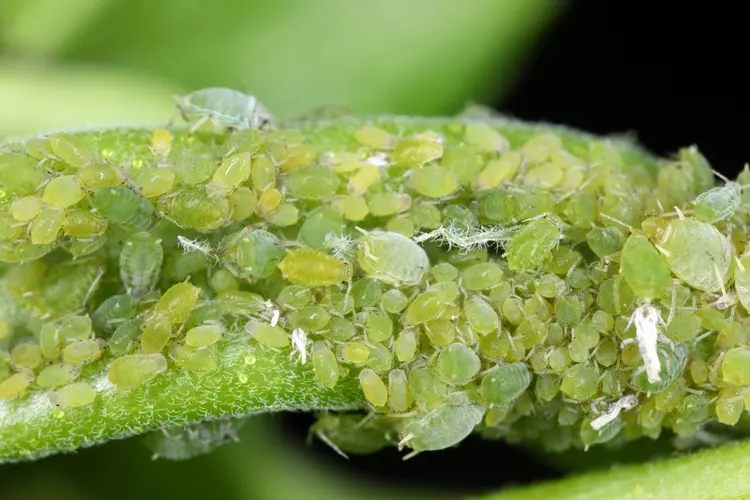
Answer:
[(267, 335), (314, 268), (156, 334), (27, 356), (363, 178), (136, 369), (26, 208), (56, 375), (81, 352), (204, 335), (73, 395), (62, 192), (375, 137), (352, 207), (154, 182), (373, 387), (161, 141), (324, 364), (399, 394), (269, 200), (199, 360), (355, 352), (47, 226), (177, 302), (485, 138), (16, 384), (231, 173)]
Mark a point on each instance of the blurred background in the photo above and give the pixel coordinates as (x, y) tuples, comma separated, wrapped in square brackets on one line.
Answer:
[(670, 76)]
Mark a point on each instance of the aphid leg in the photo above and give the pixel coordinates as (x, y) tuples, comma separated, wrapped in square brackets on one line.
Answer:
[(194, 128), (93, 286), (330, 444), (411, 455)]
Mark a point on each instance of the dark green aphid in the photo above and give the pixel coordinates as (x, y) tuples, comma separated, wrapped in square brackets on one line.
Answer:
[(122, 206), (532, 245), (125, 336), (140, 263)]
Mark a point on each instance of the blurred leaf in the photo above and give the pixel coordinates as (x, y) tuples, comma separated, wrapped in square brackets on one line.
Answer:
[(40, 98), (415, 56)]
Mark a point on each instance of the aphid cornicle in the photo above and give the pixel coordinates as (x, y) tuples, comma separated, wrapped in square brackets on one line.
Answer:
[(225, 107)]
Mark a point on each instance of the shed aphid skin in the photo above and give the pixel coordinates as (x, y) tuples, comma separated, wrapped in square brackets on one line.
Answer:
[(625, 403), (646, 319), (196, 245), (466, 239), (299, 343)]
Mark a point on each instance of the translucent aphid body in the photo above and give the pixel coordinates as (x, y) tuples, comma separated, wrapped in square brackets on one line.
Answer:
[(505, 383), (442, 427), (313, 268), (122, 206), (140, 263), (644, 269), (226, 107), (392, 258), (697, 253), (258, 253), (528, 248), (73, 395), (133, 370), (718, 203)]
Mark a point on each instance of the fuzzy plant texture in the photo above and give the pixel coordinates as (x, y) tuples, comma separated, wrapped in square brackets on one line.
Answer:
[(412, 280)]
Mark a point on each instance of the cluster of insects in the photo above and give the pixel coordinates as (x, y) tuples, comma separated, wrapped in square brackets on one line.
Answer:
[(523, 284)]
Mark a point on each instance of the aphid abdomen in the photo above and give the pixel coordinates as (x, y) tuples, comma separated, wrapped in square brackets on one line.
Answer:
[(140, 263)]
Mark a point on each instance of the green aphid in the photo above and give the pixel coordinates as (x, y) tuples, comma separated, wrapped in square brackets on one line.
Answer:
[(194, 169), (355, 353), (124, 337), (258, 253), (324, 363), (393, 301), (224, 107), (313, 268), (502, 207), (100, 175), (57, 375), (19, 174), (378, 326), (49, 340), (86, 246), (366, 292), (177, 302), (74, 328), (433, 181), (154, 182), (240, 302), (428, 389), (604, 241), (71, 150), (485, 138), (194, 210), (702, 173), (294, 296), (312, 182), (243, 203), (392, 258), (284, 215), (615, 296), (399, 394), (444, 272), (405, 345), (81, 352), (263, 173), (718, 204), (267, 335), (156, 334), (568, 310), (73, 395), (373, 387), (309, 319), (547, 386), (417, 150), (698, 253), (480, 315), (550, 286), (505, 383), (532, 245), (122, 206), (15, 385), (204, 335), (387, 204), (319, 227), (201, 361), (459, 217), (444, 426), (735, 367), (352, 433), (675, 185), (179, 266), (458, 364), (742, 280), (340, 330), (380, 359), (68, 286), (644, 269), (590, 436), (140, 263), (133, 370), (581, 209), (190, 441), (46, 226), (425, 216), (580, 382), (230, 175), (112, 312), (26, 208), (481, 276), (730, 406), (672, 359), (83, 223), (222, 280), (26, 355)]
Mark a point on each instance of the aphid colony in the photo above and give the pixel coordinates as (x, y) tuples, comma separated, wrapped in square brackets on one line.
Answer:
[(525, 285)]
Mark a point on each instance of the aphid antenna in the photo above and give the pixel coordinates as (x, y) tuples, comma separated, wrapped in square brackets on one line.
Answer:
[(617, 221), (94, 285)]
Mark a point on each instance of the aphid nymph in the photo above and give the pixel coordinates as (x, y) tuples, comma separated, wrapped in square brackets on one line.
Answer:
[(224, 107)]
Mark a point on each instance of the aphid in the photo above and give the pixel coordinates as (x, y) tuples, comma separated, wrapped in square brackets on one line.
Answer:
[(133, 370), (532, 245), (375, 137), (189, 441), (399, 394), (222, 280), (26, 355), (241, 303), (56, 375), (83, 223), (735, 366), (46, 227), (122, 206), (140, 263), (672, 359), (177, 302), (481, 316), (393, 301), (81, 352), (458, 364), (204, 335), (224, 107), (373, 387), (267, 335), (242, 203), (199, 360), (380, 359), (18, 174), (112, 312), (505, 383), (388, 204), (378, 326), (161, 141), (482, 276), (363, 178), (392, 258), (259, 253), (284, 215), (154, 182), (698, 253), (16, 384), (718, 203), (442, 427), (71, 150), (74, 328), (263, 174), (231, 173), (312, 268), (324, 364), (499, 170), (405, 346), (434, 181), (26, 208), (124, 337), (351, 433), (312, 182), (579, 382), (644, 268), (297, 156), (194, 210), (485, 138), (63, 192), (73, 395), (604, 241), (100, 175), (624, 403), (417, 150)]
